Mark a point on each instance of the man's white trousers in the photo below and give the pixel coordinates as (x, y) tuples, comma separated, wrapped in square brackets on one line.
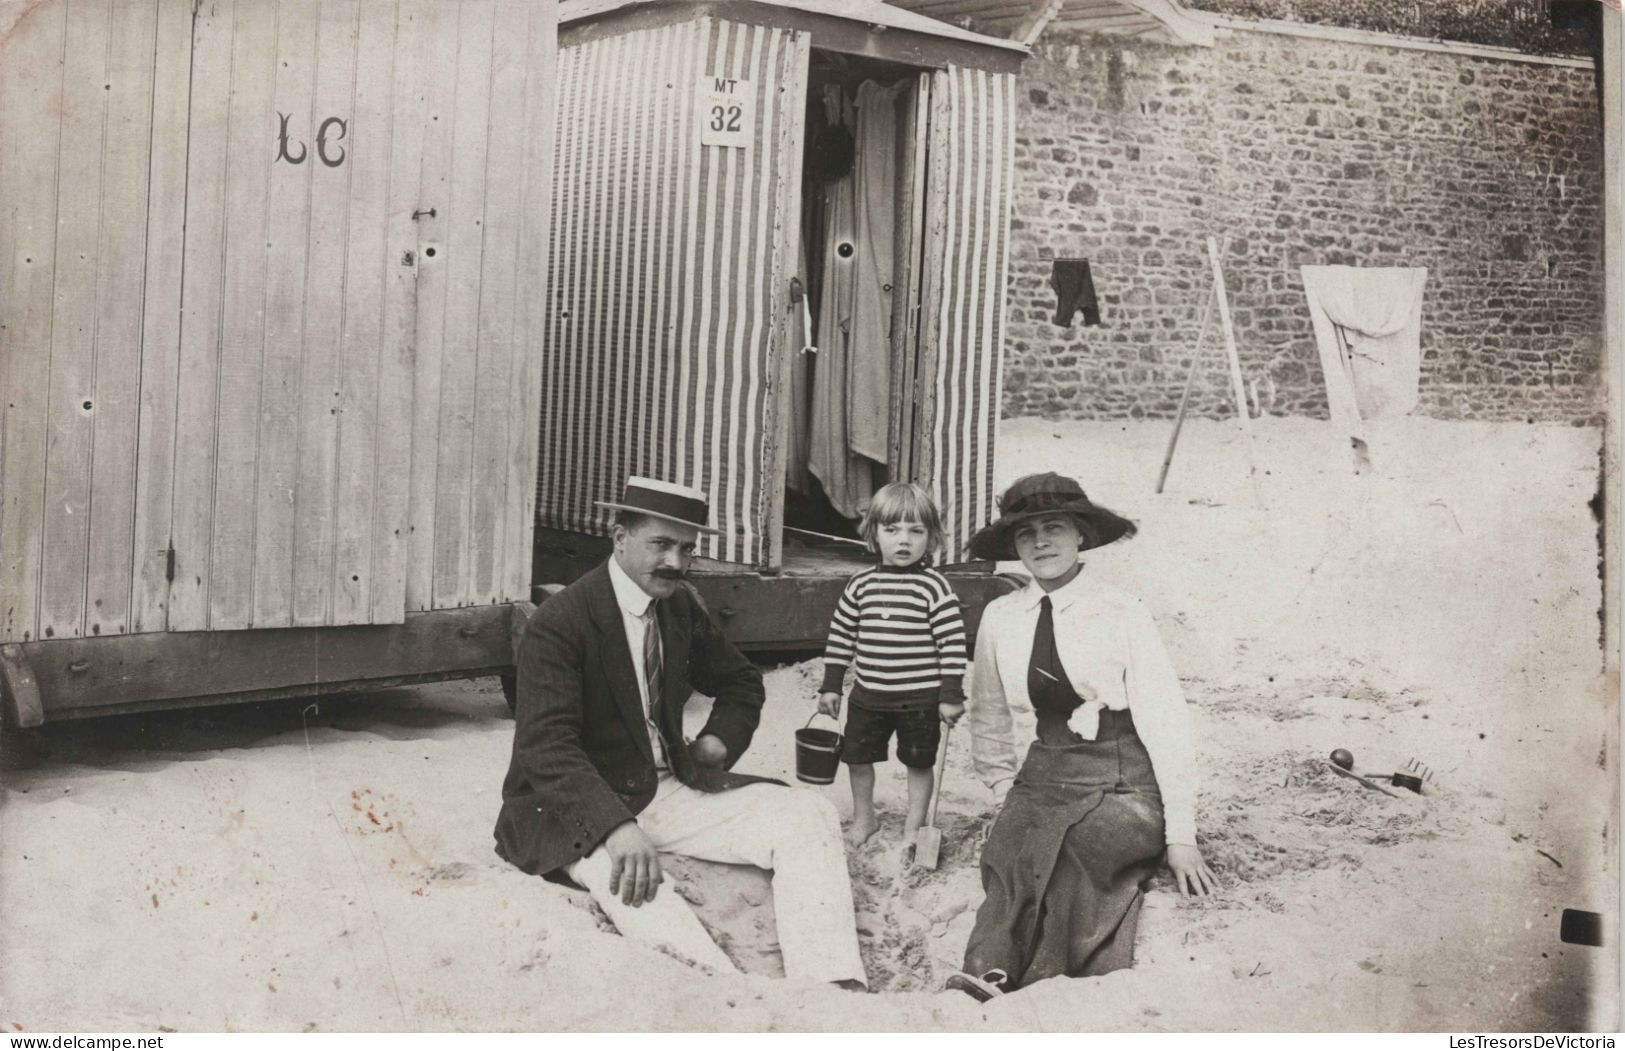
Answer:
[(791, 831)]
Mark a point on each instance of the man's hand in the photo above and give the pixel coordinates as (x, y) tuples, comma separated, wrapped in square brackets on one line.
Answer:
[(709, 750), (830, 704), (949, 713), (634, 871)]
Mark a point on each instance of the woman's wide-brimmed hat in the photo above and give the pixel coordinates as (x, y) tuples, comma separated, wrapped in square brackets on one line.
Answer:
[(668, 500), (1046, 494)]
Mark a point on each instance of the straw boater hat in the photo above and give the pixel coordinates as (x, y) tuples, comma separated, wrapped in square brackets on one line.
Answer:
[(668, 500), (1045, 494)]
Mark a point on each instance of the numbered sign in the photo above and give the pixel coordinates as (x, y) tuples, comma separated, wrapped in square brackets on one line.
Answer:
[(727, 111)]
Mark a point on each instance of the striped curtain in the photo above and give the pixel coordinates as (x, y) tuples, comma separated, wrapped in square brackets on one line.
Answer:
[(666, 260), (968, 248)]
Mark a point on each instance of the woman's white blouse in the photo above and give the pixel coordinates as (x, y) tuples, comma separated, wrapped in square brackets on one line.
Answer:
[(1114, 657)]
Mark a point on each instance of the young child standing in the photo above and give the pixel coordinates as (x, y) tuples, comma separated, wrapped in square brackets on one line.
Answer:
[(898, 624)]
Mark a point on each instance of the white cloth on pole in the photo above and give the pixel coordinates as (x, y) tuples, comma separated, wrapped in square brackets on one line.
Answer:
[(792, 832), (1368, 327)]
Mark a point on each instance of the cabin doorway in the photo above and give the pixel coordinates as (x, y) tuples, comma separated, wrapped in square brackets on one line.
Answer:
[(854, 347)]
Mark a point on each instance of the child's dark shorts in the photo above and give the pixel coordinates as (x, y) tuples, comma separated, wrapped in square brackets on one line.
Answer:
[(869, 731)]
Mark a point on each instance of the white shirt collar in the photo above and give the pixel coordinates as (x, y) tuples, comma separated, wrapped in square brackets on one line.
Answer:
[(1061, 597), (631, 598)]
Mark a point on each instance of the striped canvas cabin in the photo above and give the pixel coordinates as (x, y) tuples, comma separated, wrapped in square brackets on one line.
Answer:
[(689, 269)]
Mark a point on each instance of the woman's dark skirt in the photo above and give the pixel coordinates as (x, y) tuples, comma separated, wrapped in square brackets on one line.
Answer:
[(1065, 864)]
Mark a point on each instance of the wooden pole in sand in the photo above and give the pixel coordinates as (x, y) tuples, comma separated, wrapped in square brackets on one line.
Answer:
[(1238, 388), (1190, 379)]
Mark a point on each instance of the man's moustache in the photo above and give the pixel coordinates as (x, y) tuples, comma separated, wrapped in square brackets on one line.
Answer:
[(669, 574)]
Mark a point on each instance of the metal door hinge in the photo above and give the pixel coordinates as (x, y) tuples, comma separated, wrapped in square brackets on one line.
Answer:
[(169, 564)]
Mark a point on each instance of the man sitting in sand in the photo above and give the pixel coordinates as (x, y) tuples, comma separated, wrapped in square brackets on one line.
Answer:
[(602, 780)]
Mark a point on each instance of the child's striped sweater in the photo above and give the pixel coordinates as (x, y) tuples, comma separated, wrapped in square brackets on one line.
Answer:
[(901, 629)]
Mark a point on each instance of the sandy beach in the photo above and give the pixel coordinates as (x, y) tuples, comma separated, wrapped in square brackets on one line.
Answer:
[(327, 866)]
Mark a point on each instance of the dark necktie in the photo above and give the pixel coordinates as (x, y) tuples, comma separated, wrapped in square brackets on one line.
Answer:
[(1041, 668)]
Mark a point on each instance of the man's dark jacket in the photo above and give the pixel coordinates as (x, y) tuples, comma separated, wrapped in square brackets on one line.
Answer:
[(582, 763)]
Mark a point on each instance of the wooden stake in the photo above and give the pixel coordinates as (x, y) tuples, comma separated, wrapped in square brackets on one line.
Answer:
[(1190, 379), (1236, 385)]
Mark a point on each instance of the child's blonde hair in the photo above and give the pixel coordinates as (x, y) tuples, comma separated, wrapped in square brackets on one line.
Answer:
[(903, 502)]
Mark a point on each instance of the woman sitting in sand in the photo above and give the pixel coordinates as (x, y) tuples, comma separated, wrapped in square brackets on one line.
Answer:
[(1111, 777)]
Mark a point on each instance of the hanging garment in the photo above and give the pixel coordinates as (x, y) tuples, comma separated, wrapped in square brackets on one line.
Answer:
[(1074, 291), (1368, 327), (869, 357), (828, 458), (851, 396)]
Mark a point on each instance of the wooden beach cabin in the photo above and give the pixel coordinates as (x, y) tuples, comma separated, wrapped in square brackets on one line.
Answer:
[(271, 278), (724, 169)]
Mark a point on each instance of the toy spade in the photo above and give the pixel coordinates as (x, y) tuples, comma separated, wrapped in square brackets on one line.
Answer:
[(1418, 777), (928, 840)]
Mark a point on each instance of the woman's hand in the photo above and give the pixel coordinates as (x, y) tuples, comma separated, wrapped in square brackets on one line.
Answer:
[(830, 704), (1190, 871)]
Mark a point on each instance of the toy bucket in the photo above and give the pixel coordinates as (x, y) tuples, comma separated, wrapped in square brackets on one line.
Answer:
[(818, 754)]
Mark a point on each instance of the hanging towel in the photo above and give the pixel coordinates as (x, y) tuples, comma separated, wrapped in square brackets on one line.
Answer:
[(1368, 328), (869, 357), (1074, 291), (851, 400), (848, 480)]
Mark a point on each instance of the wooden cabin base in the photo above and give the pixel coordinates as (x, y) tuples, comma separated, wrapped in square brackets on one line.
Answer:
[(791, 613), (788, 611), (59, 679)]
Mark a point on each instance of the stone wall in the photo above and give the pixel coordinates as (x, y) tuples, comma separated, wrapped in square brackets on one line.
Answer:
[(1296, 151)]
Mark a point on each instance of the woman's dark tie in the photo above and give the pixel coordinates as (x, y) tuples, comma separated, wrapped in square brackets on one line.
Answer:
[(1043, 668), (1048, 685)]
